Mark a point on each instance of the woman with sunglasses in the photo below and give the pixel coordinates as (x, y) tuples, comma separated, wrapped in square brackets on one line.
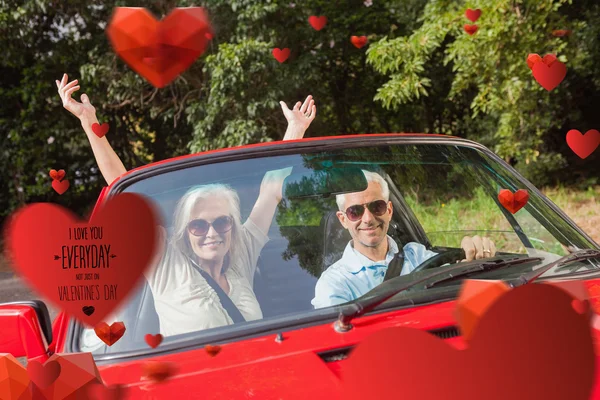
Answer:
[(202, 277)]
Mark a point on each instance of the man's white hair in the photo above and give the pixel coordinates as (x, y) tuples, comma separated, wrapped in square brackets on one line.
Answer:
[(374, 177)]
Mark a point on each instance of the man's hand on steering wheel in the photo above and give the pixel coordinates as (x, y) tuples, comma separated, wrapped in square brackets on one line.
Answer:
[(477, 247)]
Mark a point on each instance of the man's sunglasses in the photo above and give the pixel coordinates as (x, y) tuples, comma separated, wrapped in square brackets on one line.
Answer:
[(200, 227), (377, 208)]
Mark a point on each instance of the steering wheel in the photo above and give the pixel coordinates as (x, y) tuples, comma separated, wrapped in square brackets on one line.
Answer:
[(438, 260)]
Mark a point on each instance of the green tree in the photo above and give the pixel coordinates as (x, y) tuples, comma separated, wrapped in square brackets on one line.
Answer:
[(488, 93)]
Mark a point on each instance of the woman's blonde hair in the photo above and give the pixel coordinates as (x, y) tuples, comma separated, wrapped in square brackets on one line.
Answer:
[(183, 210)]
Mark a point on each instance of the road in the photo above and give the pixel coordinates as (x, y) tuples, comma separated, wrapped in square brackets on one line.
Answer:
[(12, 288)]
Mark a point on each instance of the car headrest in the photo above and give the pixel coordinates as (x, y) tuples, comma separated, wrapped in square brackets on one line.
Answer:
[(335, 239)]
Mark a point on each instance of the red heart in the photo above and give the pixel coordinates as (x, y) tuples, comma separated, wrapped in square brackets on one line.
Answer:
[(281, 54), (470, 29), (127, 223), (549, 76), (583, 145), (100, 392), (60, 186), (358, 41), (100, 130), (561, 32), (532, 59), (110, 334), (43, 375), (473, 15), (153, 340), (57, 176), (513, 202), (157, 371), (317, 23), (212, 350), (176, 41), (528, 340)]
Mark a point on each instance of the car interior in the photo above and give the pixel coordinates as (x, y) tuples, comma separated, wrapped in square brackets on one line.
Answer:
[(282, 284)]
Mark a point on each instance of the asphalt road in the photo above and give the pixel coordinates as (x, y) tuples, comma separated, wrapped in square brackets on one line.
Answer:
[(12, 289)]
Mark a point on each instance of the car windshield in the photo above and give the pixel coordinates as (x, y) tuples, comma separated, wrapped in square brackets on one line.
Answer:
[(440, 193)]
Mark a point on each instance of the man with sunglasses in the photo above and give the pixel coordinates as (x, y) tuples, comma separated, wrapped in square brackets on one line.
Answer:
[(367, 215)]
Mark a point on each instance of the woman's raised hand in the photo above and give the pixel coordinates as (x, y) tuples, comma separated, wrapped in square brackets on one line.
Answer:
[(299, 118), (85, 111)]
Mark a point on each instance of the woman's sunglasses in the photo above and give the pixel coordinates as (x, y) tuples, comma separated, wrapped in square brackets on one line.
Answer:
[(200, 227), (377, 208)]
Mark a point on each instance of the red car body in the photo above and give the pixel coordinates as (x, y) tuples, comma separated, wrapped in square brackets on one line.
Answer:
[(296, 367)]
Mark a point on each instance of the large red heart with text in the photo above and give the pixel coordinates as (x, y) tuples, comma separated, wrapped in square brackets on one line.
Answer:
[(159, 50), (513, 202), (84, 268), (583, 145), (530, 344)]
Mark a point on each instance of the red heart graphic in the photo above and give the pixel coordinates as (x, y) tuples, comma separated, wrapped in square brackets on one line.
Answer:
[(513, 202), (176, 41), (473, 15), (516, 352), (549, 76), (358, 41), (57, 176), (153, 340), (110, 334), (281, 54), (470, 29), (43, 375), (100, 130), (561, 32), (108, 254), (212, 350), (317, 23), (583, 145), (60, 186), (100, 392), (532, 59), (157, 371)]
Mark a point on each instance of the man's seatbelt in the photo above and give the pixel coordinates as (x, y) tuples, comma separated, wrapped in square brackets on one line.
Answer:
[(228, 305), (395, 266)]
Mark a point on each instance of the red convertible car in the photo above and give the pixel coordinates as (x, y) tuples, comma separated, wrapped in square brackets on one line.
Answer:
[(439, 186)]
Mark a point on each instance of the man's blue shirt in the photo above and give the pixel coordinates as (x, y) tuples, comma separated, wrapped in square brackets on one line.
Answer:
[(355, 274)]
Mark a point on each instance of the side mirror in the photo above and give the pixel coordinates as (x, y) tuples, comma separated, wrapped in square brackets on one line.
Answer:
[(25, 329)]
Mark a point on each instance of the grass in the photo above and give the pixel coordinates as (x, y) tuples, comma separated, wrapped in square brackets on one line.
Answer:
[(480, 214)]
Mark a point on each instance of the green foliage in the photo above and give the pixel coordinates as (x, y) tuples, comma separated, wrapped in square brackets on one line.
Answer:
[(500, 103), (419, 73)]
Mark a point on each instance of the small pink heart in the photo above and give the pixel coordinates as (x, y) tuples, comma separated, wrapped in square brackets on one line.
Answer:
[(281, 54), (101, 130)]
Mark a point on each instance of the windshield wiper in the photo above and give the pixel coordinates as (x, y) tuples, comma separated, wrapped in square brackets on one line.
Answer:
[(580, 255), (484, 267), (362, 307)]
